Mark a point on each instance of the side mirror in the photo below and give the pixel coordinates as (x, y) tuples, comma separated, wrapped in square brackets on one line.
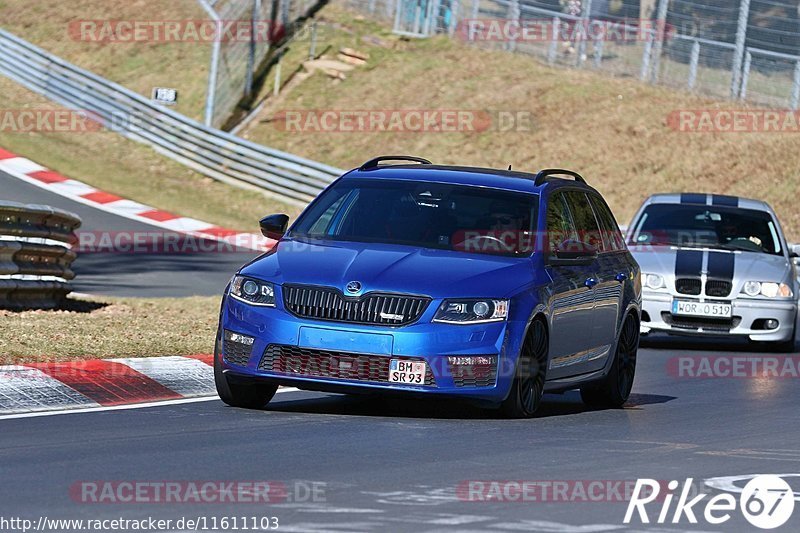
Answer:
[(274, 226), (794, 250), (573, 253)]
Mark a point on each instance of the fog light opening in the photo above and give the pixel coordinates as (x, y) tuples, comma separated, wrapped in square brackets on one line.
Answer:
[(238, 338), (766, 324)]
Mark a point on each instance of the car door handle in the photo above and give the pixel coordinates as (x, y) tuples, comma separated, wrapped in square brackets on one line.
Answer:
[(590, 282), (622, 276)]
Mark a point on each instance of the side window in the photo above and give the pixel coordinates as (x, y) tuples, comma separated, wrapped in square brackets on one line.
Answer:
[(612, 237), (323, 224), (585, 221), (560, 226)]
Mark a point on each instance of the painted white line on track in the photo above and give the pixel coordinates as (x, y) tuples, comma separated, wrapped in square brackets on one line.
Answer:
[(122, 407)]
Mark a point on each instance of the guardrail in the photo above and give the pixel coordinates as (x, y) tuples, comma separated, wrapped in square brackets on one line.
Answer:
[(211, 152), (35, 255)]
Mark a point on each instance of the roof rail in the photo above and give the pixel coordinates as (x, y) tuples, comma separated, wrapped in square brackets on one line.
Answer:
[(542, 175), (373, 163)]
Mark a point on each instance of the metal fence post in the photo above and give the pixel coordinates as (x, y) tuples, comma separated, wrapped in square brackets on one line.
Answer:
[(251, 59), (397, 8), (476, 7), (658, 44), (276, 88), (741, 41), (795, 101), (211, 92), (648, 51), (285, 6), (455, 16), (552, 50), (586, 20), (748, 59), (513, 15), (693, 62), (431, 18), (598, 50), (312, 48)]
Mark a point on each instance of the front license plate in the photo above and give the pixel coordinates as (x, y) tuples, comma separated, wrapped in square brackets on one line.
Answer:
[(704, 309), (406, 372)]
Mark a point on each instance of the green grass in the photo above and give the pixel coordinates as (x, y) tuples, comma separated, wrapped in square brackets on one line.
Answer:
[(139, 66), (142, 327)]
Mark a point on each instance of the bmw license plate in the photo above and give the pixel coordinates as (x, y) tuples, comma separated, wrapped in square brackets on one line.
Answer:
[(704, 309), (412, 372)]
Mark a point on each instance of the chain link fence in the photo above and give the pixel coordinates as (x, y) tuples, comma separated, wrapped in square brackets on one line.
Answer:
[(238, 53), (742, 49)]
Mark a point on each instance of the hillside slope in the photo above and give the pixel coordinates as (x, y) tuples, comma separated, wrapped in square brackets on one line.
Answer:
[(615, 131), (139, 66)]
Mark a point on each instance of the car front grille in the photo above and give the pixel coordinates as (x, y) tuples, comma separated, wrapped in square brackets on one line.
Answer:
[(690, 286), (308, 362), (236, 353), (723, 325), (327, 303), (718, 288)]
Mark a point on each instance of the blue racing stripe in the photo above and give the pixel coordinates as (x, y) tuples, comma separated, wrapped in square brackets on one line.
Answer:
[(688, 263), (693, 198), (721, 199), (721, 265)]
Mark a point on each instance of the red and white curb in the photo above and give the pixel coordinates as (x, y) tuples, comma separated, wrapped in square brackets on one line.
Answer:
[(35, 174), (34, 387)]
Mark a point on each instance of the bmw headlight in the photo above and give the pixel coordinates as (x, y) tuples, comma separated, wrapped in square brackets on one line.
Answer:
[(653, 281), (253, 291), (473, 311), (767, 289)]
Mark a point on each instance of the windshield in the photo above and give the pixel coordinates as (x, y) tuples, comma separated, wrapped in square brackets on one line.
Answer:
[(426, 215), (707, 226)]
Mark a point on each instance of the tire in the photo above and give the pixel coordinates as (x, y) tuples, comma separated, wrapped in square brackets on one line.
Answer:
[(615, 389), (528, 386), (246, 395)]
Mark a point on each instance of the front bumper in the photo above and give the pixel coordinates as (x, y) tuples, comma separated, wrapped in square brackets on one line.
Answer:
[(747, 314), (334, 356)]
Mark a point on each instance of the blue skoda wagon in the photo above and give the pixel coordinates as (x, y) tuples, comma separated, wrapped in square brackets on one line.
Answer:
[(417, 279)]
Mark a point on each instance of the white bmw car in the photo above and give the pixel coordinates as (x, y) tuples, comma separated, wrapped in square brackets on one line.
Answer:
[(715, 265)]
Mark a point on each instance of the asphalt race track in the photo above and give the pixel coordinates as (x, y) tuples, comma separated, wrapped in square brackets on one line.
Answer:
[(133, 274), (356, 464), (391, 465)]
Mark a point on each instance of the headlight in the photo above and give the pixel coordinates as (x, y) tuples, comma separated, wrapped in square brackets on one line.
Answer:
[(767, 289), (253, 291), (752, 288), (471, 311), (653, 281)]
